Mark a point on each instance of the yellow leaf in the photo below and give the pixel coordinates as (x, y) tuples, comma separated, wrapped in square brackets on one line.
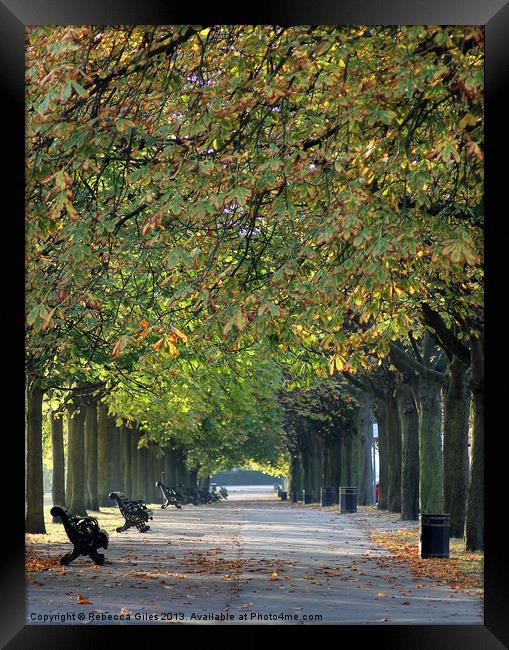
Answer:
[(339, 363)]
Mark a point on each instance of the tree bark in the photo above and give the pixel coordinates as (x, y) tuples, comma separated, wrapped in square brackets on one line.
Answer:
[(92, 497), (409, 424), (34, 492), (474, 525), (76, 460), (114, 455), (141, 469), (346, 460), (365, 437), (331, 463), (170, 468), (193, 478), (354, 460), (125, 458), (383, 460), (103, 456), (204, 482), (394, 449), (58, 474), (457, 408), (428, 403), (150, 479), (134, 458)]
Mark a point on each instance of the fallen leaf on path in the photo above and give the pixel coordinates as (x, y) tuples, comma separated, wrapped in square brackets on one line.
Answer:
[(83, 600)]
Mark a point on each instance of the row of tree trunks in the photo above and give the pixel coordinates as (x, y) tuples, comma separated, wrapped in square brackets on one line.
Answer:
[(320, 458), (101, 457)]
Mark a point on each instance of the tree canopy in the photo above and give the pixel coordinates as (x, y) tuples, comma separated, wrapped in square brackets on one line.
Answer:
[(197, 194)]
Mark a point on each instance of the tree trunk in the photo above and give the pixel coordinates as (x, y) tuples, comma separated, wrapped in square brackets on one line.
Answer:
[(34, 492), (354, 461), (457, 408), (150, 475), (346, 459), (58, 474), (103, 456), (170, 468), (134, 458), (158, 473), (474, 525), (141, 470), (409, 424), (428, 404), (125, 458), (365, 437), (76, 461), (180, 469), (294, 482), (92, 500), (204, 482), (394, 449), (193, 478), (383, 456), (114, 441), (331, 463), (311, 456)]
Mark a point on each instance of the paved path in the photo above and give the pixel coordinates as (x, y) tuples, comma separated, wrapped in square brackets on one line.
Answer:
[(253, 561)]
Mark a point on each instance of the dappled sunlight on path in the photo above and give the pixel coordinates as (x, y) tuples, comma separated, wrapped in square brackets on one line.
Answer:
[(252, 561)]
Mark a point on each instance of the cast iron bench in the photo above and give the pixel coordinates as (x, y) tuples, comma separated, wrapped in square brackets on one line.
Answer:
[(134, 511), (172, 498), (84, 533)]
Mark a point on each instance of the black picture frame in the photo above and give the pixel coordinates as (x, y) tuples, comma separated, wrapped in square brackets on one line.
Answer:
[(494, 15)]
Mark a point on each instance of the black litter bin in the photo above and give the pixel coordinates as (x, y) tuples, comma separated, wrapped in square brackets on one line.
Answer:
[(294, 496), (348, 499), (434, 535), (328, 496), (308, 496), (284, 496)]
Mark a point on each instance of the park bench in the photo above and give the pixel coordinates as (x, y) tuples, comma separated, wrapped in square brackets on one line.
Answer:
[(171, 496), (84, 533), (206, 496), (187, 495), (134, 511), (223, 492)]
